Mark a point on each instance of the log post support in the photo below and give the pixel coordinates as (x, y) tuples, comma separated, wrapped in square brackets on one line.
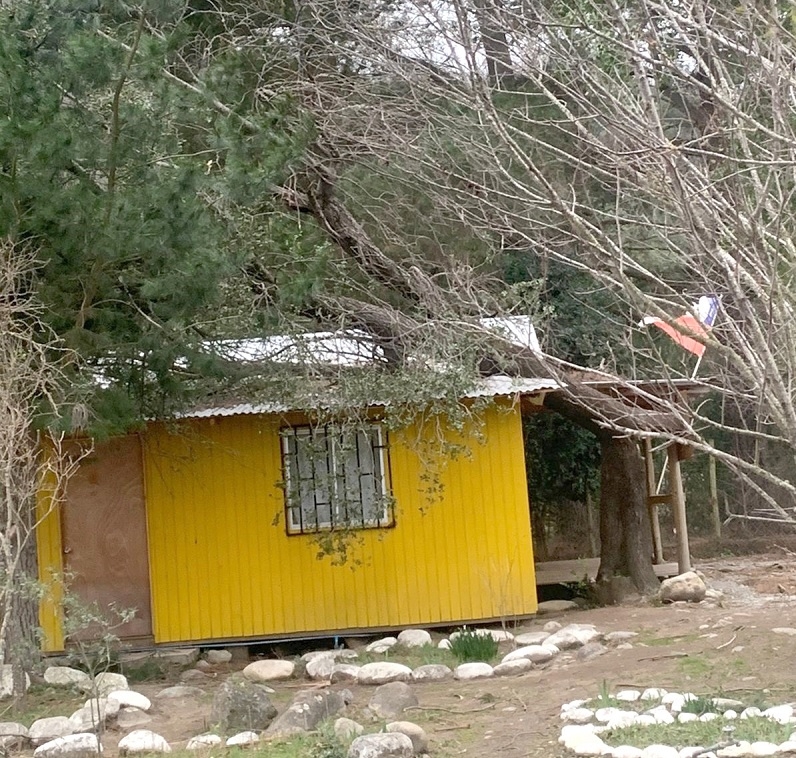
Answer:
[(677, 495), (649, 465)]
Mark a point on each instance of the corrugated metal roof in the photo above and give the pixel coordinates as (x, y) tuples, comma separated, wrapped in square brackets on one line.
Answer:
[(490, 386)]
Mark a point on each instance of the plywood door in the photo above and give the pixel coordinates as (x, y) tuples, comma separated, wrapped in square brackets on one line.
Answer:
[(104, 533)]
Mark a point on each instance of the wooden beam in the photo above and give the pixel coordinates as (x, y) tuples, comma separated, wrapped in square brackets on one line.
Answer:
[(652, 502), (560, 572), (678, 507)]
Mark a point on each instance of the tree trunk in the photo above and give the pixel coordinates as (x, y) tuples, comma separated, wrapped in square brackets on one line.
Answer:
[(625, 531)]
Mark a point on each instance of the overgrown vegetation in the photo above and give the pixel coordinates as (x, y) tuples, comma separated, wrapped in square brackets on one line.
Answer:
[(703, 733), (470, 645)]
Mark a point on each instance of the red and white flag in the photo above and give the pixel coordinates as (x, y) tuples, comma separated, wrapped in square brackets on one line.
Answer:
[(696, 323)]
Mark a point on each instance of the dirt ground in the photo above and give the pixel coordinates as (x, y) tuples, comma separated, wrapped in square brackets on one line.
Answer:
[(698, 648)]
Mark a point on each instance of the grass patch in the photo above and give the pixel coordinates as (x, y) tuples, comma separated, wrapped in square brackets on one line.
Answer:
[(699, 733), (42, 701), (470, 646), (700, 705), (695, 667), (650, 641), (320, 744), (411, 656)]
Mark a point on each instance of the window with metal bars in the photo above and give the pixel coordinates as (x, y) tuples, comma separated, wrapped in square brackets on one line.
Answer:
[(335, 478)]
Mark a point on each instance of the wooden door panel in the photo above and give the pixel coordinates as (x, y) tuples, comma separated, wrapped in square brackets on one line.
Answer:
[(104, 533)]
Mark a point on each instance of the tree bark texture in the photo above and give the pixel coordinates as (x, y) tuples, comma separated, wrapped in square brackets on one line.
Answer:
[(625, 531)]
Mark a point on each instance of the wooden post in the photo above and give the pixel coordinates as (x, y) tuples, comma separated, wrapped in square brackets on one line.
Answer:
[(678, 508), (657, 544), (714, 495), (595, 549)]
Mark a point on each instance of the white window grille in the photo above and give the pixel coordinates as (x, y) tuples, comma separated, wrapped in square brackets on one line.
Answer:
[(335, 478)]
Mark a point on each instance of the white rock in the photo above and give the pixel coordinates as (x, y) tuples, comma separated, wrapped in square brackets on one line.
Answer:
[(414, 732), (130, 699), (619, 636), (687, 587), (344, 672), (531, 638), (568, 731), (661, 715), (382, 645), (552, 626), (653, 693), (578, 715), (243, 738), (734, 751), (789, 630), (788, 746), (202, 741), (675, 701), (691, 751), (628, 696), (782, 714), (623, 719), (513, 668), (730, 714), (763, 748), (498, 635), (444, 644), (218, 656), (7, 681), (87, 719), (588, 744), (573, 704), (269, 670), (604, 715), (382, 672), (132, 718), (646, 720), (180, 691), (178, 656), (473, 671), (556, 606), (65, 676), (143, 741), (431, 672), (748, 713), (381, 745), (684, 718), (533, 653), (414, 638), (347, 729), (727, 702), (572, 636), (13, 736), (708, 716), (626, 751), (107, 682), (71, 745), (320, 668), (51, 728), (659, 751)]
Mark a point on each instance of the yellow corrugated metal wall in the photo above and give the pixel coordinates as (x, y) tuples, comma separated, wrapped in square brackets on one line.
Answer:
[(222, 565), (50, 562)]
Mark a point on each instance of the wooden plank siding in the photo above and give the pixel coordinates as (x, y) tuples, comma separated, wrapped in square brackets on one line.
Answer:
[(223, 567)]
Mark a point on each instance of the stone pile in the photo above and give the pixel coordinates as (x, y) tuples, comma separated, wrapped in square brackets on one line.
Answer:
[(584, 725)]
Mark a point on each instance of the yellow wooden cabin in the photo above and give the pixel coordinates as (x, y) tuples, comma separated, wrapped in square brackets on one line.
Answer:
[(209, 527)]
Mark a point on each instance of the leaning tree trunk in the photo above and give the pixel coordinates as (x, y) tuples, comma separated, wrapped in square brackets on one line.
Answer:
[(625, 531)]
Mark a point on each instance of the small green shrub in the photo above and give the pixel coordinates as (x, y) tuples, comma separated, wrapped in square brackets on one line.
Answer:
[(469, 645), (700, 705)]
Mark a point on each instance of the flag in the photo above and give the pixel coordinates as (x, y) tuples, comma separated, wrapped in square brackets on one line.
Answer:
[(698, 323)]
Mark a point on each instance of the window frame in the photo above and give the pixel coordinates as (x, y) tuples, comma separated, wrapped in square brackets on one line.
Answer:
[(337, 520)]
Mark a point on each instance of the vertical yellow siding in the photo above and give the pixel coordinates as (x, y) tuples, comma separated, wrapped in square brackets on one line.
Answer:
[(222, 565), (50, 561)]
